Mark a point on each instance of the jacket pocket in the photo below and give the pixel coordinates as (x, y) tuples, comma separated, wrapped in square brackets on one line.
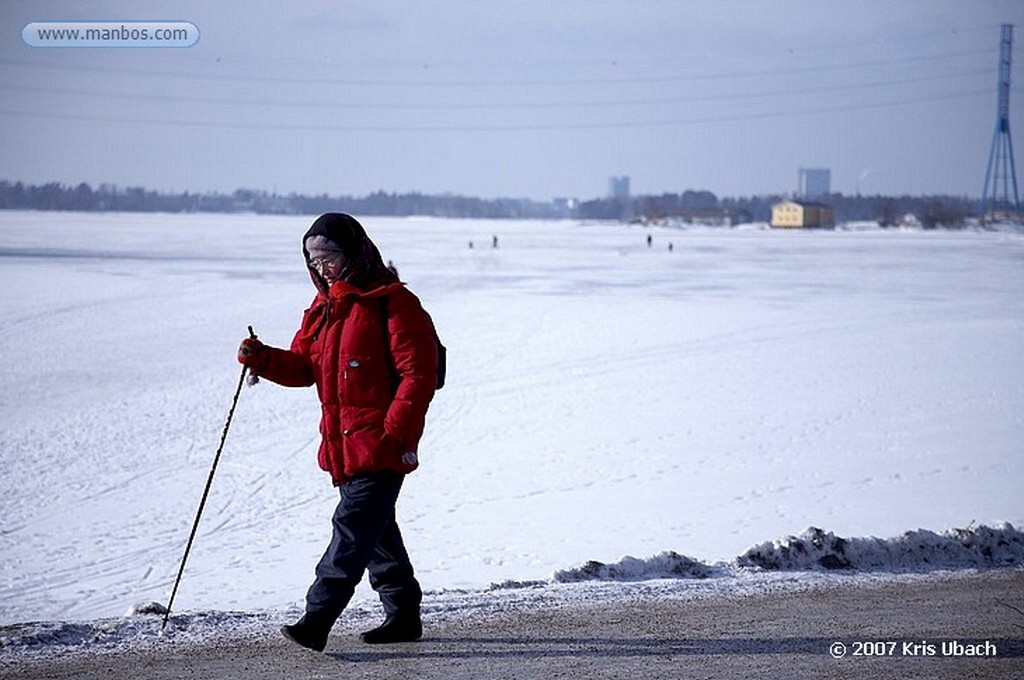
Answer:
[(364, 381), (361, 432)]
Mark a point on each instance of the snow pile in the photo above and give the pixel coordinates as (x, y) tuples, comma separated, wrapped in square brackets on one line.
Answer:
[(139, 627), (668, 564), (915, 551), (918, 551), (61, 635), (52, 634), (143, 608)]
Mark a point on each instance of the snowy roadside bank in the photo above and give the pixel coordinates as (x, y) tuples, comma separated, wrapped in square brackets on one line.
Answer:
[(781, 623), (813, 560)]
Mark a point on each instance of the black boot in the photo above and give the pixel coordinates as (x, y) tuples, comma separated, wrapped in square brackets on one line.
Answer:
[(310, 631), (396, 628)]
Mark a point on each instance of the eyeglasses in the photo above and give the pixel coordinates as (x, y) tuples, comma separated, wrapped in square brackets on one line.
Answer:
[(328, 265)]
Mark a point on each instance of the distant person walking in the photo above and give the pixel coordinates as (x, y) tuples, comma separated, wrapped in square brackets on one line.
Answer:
[(370, 349)]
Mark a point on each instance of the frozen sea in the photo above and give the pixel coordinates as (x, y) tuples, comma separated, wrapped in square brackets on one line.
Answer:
[(607, 403)]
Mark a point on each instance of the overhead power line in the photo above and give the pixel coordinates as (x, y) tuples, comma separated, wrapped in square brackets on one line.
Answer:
[(472, 127), (516, 105), (516, 82)]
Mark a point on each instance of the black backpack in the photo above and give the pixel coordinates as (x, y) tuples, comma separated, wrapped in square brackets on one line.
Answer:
[(442, 361)]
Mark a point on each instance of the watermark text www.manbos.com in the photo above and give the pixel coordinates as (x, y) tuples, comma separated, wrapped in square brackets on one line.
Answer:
[(110, 34), (915, 648)]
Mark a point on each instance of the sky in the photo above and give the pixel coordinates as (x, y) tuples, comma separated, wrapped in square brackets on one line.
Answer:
[(528, 99)]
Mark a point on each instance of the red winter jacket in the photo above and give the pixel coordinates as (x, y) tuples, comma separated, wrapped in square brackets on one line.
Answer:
[(373, 359)]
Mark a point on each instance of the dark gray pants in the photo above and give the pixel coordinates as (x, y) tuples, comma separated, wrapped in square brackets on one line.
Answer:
[(366, 537)]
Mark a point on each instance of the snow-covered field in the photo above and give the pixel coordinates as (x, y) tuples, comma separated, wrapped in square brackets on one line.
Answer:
[(604, 400)]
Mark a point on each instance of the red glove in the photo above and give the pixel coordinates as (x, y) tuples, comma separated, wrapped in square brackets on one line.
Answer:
[(253, 354)]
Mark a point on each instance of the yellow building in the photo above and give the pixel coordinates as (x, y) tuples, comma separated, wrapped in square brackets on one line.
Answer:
[(802, 215)]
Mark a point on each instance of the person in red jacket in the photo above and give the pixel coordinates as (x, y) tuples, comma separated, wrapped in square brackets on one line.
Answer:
[(369, 347)]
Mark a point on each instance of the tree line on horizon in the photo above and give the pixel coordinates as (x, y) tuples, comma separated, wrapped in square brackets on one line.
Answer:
[(688, 206)]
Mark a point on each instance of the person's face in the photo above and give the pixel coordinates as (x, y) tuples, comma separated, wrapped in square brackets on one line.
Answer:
[(329, 266)]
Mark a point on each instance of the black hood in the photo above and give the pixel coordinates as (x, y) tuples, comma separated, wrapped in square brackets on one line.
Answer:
[(366, 268)]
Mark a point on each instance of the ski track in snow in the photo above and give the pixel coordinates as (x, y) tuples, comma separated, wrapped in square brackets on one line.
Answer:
[(604, 399)]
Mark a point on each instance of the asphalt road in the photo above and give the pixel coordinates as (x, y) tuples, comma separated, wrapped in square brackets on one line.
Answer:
[(922, 628)]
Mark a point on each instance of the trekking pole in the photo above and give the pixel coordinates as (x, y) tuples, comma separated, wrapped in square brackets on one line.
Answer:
[(206, 491)]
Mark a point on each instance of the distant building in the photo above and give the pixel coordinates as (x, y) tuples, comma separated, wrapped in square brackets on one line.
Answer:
[(565, 207), (814, 183), (618, 187), (802, 215)]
